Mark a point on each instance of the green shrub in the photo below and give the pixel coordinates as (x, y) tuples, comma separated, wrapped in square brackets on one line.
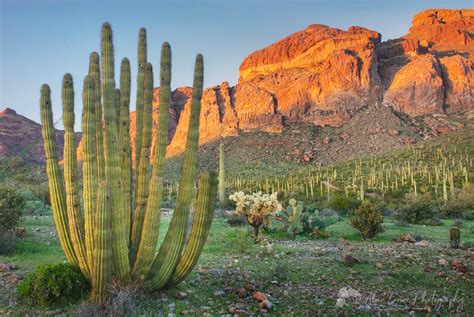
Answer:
[(419, 210), (468, 214), (325, 218), (53, 284), (454, 208), (36, 208), (463, 202), (367, 219), (11, 205), (342, 204), (7, 241)]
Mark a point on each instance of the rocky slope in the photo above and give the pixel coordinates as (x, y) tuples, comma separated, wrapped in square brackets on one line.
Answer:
[(20, 137), (328, 78)]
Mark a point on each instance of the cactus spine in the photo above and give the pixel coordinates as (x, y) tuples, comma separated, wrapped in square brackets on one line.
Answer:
[(221, 175), (96, 240)]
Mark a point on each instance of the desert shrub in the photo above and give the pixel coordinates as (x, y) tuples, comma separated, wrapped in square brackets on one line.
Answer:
[(325, 218), (11, 205), (419, 210), (454, 208), (36, 208), (463, 202), (53, 284), (342, 204), (367, 219), (7, 241), (468, 214), (121, 301)]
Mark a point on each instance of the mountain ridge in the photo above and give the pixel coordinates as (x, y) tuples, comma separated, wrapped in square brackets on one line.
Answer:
[(325, 77)]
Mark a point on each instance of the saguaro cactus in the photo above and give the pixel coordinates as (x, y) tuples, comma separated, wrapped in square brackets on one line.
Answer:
[(97, 237), (221, 175)]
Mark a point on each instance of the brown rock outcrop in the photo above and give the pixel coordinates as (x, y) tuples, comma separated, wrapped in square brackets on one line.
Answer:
[(320, 75), (417, 88), (439, 26), (430, 69)]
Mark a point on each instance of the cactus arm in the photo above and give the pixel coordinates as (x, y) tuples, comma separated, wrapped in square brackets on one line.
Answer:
[(202, 221), (75, 219), (221, 175), (89, 165), (94, 72), (142, 61), (168, 256), (151, 226), (151, 221), (56, 186), (102, 268), (124, 135), (144, 166), (112, 160)]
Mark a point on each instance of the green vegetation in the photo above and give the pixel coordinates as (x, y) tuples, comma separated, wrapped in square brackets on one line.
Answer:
[(367, 219), (304, 271), (53, 284)]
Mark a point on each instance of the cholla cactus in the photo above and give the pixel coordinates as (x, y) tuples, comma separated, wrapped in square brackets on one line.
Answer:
[(256, 208)]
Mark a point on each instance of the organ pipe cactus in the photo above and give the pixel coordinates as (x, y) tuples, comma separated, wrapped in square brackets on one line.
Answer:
[(97, 237)]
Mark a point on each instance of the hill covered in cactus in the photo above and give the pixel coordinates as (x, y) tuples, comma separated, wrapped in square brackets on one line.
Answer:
[(348, 89)]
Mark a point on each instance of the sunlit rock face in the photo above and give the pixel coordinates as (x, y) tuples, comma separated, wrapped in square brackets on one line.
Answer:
[(429, 70), (319, 75)]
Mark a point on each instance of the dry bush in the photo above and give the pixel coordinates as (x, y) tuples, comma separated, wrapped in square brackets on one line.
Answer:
[(122, 301)]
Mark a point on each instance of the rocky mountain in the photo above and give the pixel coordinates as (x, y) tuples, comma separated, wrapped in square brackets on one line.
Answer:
[(324, 76), (347, 84)]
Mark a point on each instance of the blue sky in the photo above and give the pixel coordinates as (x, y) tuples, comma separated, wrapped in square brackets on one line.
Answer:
[(43, 39)]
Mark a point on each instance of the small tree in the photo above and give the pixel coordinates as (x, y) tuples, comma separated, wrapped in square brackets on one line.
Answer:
[(256, 208), (367, 219)]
